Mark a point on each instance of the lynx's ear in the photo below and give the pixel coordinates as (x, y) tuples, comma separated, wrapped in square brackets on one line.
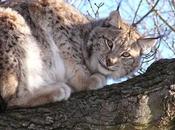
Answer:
[(115, 19), (146, 44)]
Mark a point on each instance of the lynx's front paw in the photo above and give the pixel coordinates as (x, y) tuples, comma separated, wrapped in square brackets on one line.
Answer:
[(63, 92), (96, 81)]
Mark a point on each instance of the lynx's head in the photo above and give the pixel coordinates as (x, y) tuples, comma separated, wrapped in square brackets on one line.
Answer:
[(115, 48)]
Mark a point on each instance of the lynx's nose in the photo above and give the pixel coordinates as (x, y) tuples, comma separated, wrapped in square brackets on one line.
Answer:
[(110, 61)]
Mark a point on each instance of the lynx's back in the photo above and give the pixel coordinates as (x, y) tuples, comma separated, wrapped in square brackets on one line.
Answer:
[(48, 49)]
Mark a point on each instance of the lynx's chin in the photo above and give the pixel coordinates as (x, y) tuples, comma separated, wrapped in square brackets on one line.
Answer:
[(118, 72)]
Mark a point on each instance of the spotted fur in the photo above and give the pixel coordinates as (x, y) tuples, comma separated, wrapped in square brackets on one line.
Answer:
[(48, 49)]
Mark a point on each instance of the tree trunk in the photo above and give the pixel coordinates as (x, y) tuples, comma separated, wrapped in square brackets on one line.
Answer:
[(146, 101)]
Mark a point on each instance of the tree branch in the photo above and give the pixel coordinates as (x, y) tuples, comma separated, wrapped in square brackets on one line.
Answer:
[(135, 14), (144, 101), (161, 18), (135, 24)]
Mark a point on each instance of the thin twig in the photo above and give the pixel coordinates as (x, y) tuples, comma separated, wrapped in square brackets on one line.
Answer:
[(119, 4), (173, 3), (161, 18), (169, 47), (135, 24), (136, 11), (96, 13), (91, 6), (98, 7)]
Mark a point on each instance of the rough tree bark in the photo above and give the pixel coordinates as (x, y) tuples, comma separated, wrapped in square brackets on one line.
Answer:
[(147, 100)]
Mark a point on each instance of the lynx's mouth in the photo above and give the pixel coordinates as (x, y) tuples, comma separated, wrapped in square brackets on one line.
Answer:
[(103, 63)]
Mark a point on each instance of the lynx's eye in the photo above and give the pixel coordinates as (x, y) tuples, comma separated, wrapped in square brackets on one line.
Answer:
[(126, 54), (109, 44)]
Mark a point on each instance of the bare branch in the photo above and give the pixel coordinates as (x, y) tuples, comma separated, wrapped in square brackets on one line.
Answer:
[(91, 6), (161, 18), (135, 24), (98, 7), (96, 13), (145, 101), (136, 11)]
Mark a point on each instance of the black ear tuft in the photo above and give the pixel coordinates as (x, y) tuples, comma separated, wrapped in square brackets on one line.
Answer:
[(3, 105)]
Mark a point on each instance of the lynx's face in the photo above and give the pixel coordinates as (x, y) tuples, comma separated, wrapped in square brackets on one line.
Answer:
[(115, 50)]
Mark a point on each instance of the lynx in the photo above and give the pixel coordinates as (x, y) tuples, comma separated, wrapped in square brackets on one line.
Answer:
[(48, 50)]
